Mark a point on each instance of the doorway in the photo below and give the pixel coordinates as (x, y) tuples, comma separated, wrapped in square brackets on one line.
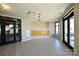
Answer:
[(68, 30), (10, 30)]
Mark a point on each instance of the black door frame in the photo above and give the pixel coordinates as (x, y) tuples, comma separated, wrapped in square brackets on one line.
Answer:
[(68, 30), (3, 21)]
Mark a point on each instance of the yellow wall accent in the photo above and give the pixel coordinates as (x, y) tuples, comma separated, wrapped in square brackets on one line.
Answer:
[(39, 32), (40, 28)]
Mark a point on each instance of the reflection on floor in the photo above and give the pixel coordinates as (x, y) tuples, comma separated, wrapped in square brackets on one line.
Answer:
[(36, 47)]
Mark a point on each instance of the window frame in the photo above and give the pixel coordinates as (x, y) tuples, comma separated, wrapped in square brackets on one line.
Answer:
[(58, 27)]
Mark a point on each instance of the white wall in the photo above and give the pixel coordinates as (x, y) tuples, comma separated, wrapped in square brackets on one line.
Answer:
[(27, 27), (26, 30)]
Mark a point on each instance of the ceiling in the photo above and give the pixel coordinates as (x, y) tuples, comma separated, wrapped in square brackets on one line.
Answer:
[(48, 11)]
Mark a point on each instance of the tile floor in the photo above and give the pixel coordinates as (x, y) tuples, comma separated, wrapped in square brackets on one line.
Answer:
[(36, 47)]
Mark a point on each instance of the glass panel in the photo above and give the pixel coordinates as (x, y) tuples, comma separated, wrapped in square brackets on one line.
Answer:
[(65, 29), (17, 30), (57, 28), (72, 31), (9, 32), (17, 33)]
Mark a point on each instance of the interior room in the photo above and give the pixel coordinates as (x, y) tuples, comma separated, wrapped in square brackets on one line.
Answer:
[(39, 29)]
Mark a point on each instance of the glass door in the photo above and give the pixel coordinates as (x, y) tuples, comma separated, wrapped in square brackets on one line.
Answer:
[(66, 31), (18, 30), (9, 32), (71, 31), (57, 29)]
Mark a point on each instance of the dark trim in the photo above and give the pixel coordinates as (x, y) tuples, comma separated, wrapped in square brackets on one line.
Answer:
[(20, 31), (3, 22), (68, 25), (69, 12)]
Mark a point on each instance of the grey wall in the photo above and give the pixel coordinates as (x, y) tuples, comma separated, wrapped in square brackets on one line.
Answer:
[(76, 15)]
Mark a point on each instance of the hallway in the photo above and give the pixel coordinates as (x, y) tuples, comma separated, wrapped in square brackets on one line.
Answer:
[(36, 47)]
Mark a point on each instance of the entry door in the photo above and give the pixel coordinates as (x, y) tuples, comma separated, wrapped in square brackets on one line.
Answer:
[(68, 33), (9, 31), (71, 37)]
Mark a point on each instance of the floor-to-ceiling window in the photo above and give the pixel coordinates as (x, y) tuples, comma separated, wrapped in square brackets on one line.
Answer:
[(57, 29), (68, 29), (65, 30), (72, 31)]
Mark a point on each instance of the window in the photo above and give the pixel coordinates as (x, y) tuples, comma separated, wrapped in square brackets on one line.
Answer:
[(57, 27), (72, 31), (68, 30)]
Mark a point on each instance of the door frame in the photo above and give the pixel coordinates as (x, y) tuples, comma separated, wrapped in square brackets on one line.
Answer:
[(68, 29), (3, 20)]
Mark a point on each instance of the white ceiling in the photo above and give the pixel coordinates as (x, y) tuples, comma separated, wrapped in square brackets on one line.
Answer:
[(49, 11)]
